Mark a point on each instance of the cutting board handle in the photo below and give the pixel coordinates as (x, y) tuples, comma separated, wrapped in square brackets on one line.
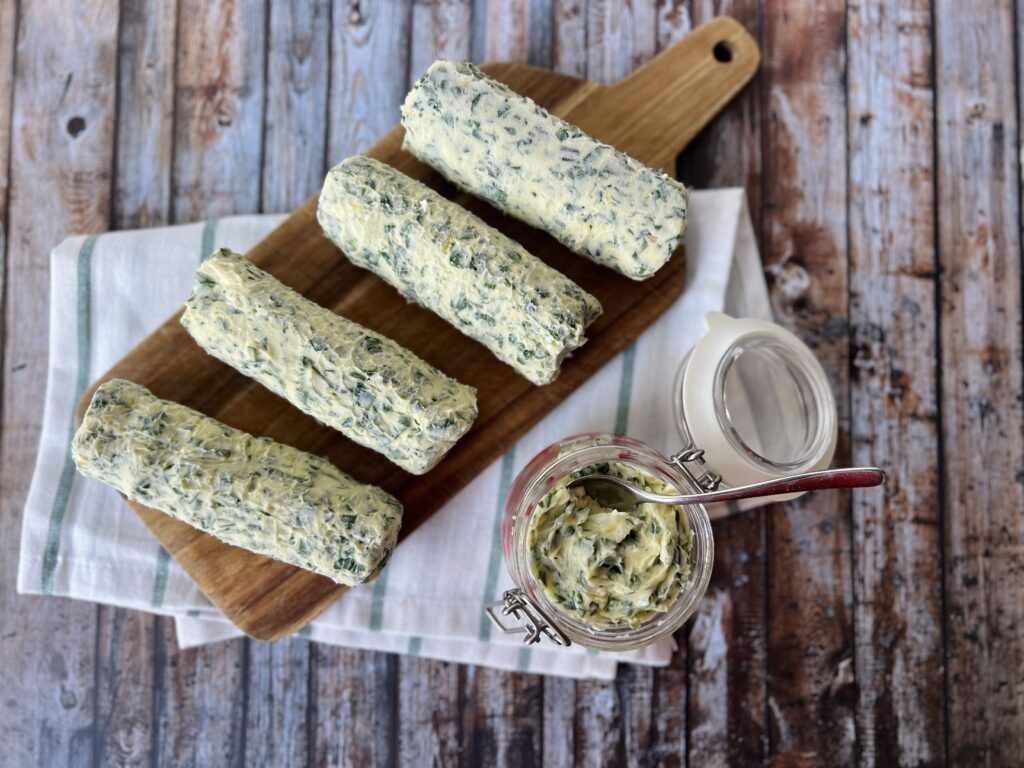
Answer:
[(679, 91)]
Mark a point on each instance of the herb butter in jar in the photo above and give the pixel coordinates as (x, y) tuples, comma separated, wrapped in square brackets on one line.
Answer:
[(602, 577), (752, 404), (606, 566)]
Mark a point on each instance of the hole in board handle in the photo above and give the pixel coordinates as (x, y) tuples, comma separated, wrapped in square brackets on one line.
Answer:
[(722, 52)]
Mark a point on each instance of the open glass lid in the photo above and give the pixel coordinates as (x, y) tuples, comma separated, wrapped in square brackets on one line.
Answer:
[(753, 403)]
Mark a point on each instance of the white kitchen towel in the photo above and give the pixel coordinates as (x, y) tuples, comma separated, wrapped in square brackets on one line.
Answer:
[(80, 540)]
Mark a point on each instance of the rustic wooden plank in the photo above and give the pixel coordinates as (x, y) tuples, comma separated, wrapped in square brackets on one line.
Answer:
[(635, 686), (219, 108), (429, 713), (501, 30), (296, 111), (503, 715), (369, 74), (277, 686), (354, 694), (599, 731), (276, 707), (668, 705), (502, 721), (621, 36), (354, 697), (61, 137), (128, 640), (810, 592), (614, 722), (8, 34), (569, 38), (727, 649), (293, 164), (673, 21), (199, 712), (982, 414), (541, 31), (897, 556), (145, 119), (219, 99), (731, 649), (126, 649), (707, 718), (728, 152), (559, 735), (439, 30)]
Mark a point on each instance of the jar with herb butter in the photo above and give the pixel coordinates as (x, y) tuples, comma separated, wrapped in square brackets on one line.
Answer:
[(751, 403)]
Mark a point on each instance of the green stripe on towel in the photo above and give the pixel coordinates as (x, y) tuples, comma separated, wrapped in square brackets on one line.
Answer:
[(508, 462), (160, 577), (380, 589), (67, 475), (625, 389), (209, 236)]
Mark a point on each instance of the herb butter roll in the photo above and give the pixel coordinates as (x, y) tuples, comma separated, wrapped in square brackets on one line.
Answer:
[(363, 384), (504, 148), (247, 491), (441, 256)]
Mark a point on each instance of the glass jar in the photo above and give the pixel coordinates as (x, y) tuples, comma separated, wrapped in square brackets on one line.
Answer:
[(751, 403), (563, 458)]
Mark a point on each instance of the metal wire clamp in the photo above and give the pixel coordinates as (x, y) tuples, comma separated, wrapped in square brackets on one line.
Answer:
[(518, 605)]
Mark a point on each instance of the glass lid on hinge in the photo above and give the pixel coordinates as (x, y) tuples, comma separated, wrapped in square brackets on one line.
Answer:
[(756, 401)]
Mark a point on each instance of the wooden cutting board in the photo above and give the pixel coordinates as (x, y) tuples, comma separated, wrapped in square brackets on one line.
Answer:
[(652, 114)]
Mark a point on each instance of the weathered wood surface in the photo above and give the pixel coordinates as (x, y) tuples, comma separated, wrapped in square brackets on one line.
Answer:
[(981, 388), (880, 151), (897, 556)]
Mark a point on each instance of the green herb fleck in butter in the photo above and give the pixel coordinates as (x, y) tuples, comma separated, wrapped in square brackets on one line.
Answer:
[(249, 492), (361, 383), (441, 256), (603, 566), (503, 147)]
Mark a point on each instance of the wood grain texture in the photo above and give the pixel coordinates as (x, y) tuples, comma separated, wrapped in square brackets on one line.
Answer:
[(84, 678), (276, 690), (432, 704), (809, 588), (367, 82), (893, 371), (439, 30), (982, 413), (296, 111), (501, 31), (368, 77), (200, 718), (727, 718), (502, 721), (569, 38), (355, 708), (123, 722), (129, 642), (277, 703), (219, 100), (621, 36), (275, 599), (61, 152), (201, 694), (145, 113)]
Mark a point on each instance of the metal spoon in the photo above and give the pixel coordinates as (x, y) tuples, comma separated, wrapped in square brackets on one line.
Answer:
[(623, 495)]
